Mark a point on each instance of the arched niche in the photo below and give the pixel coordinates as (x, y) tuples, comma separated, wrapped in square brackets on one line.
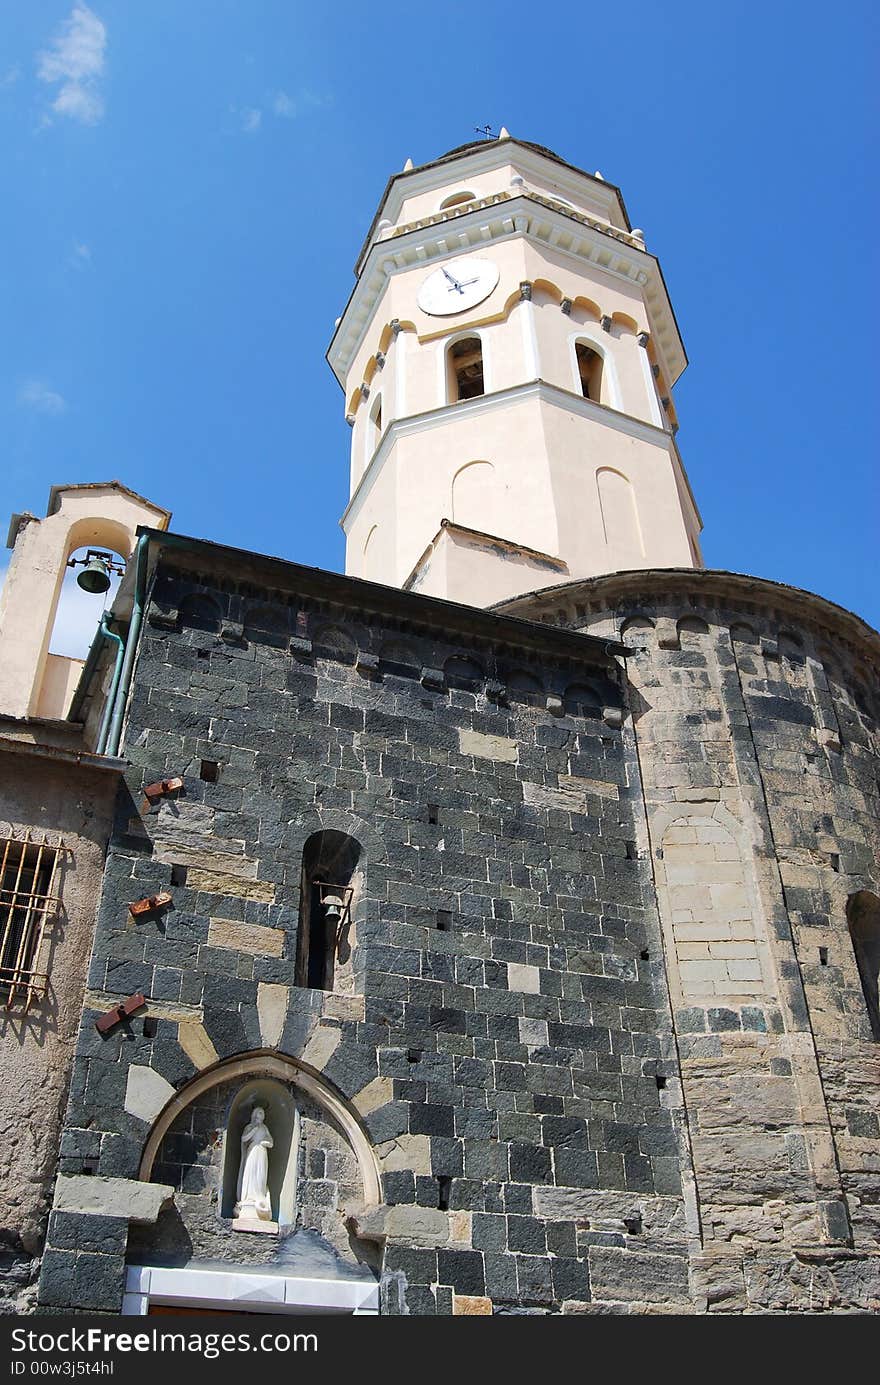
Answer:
[(582, 700), (265, 624), (457, 199), (475, 497), (464, 673), (397, 659), (371, 556), (620, 518), (332, 643), (863, 917), (332, 879), (525, 688), (260, 1066), (282, 1119)]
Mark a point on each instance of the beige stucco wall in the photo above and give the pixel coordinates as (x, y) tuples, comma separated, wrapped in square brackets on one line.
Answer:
[(552, 461), (57, 802), (60, 678), (486, 183)]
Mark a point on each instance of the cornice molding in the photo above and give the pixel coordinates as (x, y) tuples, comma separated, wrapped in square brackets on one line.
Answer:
[(489, 403), (540, 221), (355, 596), (477, 159)]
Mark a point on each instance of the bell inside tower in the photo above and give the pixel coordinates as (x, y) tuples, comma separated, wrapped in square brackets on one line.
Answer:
[(466, 370)]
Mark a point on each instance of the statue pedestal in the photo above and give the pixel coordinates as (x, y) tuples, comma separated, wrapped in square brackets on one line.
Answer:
[(254, 1224)]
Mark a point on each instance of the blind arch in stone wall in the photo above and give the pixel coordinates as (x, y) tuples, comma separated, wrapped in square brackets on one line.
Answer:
[(713, 922)]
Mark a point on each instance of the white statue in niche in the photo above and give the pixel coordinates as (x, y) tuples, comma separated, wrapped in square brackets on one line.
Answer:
[(253, 1209)]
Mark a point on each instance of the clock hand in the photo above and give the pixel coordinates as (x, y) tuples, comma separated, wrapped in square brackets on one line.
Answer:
[(451, 279)]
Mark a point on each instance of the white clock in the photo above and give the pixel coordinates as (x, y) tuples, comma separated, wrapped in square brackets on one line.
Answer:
[(457, 286)]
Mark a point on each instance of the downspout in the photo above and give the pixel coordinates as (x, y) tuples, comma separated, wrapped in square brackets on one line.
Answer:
[(85, 678), (109, 634), (114, 735)]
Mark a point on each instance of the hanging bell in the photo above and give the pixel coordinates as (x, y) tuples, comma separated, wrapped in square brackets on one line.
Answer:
[(95, 576), (333, 907)]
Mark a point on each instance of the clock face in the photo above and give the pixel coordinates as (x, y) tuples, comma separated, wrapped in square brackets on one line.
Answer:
[(457, 286)]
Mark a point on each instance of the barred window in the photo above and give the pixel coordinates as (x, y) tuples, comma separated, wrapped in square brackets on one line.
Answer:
[(27, 903)]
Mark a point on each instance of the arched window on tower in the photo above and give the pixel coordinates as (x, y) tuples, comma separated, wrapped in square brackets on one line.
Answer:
[(464, 366), (456, 199), (589, 364), (863, 916), (329, 883)]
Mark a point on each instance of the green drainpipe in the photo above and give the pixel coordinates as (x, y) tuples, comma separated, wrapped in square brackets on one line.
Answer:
[(109, 634), (111, 745)]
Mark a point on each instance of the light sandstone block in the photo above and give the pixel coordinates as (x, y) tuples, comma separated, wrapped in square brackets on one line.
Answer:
[(406, 1152), (213, 882), (376, 1093), (460, 1228), (575, 783), (523, 978), (703, 971), (95, 1196), (322, 1044), (417, 1226), (193, 1039), (146, 1092), (219, 862), (744, 971), (487, 747), (252, 938), (272, 1001), (469, 1305)]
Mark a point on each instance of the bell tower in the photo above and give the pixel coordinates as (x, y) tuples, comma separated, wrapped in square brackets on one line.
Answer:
[(508, 355)]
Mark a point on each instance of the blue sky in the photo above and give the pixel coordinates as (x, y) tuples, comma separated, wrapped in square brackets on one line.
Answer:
[(187, 187)]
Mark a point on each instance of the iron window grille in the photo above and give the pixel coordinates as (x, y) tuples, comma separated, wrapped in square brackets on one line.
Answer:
[(28, 902)]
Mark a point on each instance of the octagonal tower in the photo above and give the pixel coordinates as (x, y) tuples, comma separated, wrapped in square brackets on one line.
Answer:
[(508, 355)]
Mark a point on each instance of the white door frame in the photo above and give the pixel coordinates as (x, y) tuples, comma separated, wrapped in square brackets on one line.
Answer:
[(236, 1291)]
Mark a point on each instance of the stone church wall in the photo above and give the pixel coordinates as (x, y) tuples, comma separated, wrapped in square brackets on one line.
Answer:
[(756, 734), (503, 1037)]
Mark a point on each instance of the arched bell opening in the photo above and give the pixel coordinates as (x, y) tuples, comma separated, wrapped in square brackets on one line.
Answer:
[(330, 883)]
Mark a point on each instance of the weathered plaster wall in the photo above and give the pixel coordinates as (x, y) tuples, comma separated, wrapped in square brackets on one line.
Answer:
[(57, 803)]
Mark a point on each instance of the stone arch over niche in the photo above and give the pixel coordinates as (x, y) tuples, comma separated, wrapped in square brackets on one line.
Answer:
[(313, 820), (263, 1066), (716, 943), (321, 1174), (619, 511)]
